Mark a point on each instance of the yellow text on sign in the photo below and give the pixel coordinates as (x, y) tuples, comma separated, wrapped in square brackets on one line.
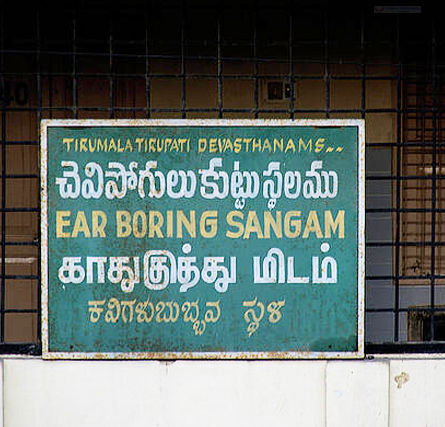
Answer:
[(72, 225)]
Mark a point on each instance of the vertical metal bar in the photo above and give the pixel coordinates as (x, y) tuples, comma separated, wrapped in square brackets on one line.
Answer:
[(111, 53), (255, 57), (398, 186), (183, 62), (219, 71), (291, 61), (433, 178), (3, 184), (148, 12), (74, 74), (50, 89), (363, 96), (363, 64), (326, 64), (39, 118)]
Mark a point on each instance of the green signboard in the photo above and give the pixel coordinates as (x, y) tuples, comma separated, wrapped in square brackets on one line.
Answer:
[(202, 238)]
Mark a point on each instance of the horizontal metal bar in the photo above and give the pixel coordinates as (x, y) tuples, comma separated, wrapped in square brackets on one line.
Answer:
[(406, 310), (405, 210), (407, 278), (20, 176), (397, 244), (106, 54), (403, 177), (19, 209), (30, 243), (390, 347), (19, 260), (6, 142), (438, 144), (199, 110), (31, 349), (20, 310), (192, 76)]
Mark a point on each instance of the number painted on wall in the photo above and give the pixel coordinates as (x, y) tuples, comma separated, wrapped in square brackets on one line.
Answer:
[(14, 94)]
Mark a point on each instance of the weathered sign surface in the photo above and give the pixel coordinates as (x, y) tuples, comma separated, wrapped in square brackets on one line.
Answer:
[(202, 238)]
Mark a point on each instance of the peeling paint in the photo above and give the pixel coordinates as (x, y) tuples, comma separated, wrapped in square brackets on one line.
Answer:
[(401, 379)]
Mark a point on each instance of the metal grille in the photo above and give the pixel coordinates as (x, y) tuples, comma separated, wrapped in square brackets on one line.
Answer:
[(244, 59)]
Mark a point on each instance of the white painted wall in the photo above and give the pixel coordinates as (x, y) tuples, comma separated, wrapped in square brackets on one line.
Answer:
[(391, 392)]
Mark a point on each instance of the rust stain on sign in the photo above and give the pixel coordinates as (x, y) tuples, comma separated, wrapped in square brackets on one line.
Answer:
[(246, 242)]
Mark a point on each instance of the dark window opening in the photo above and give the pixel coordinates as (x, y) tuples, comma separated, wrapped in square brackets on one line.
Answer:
[(250, 59)]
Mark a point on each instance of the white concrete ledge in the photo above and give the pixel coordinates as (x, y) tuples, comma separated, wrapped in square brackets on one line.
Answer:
[(357, 394), (152, 393), (417, 393), (380, 392)]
